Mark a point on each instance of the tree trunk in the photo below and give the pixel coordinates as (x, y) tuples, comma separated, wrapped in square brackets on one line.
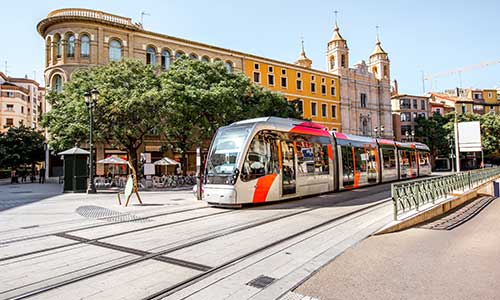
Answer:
[(132, 156), (184, 162)]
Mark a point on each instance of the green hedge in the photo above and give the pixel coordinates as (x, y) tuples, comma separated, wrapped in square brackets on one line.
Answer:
[(4, 173)]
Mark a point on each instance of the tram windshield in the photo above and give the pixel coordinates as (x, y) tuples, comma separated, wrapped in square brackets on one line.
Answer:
[(226, 152)]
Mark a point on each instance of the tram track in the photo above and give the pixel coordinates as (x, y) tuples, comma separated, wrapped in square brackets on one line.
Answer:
[(190, 281), (161, 254), (22, 239)]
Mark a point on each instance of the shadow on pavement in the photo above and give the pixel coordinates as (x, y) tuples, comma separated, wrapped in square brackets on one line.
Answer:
[(15, 195)]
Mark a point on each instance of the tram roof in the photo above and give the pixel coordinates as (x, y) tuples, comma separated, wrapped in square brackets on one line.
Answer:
[(287, 124), (353, 137)]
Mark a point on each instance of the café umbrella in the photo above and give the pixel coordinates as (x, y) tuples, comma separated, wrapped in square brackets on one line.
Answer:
[(166, 162), (113, 160)]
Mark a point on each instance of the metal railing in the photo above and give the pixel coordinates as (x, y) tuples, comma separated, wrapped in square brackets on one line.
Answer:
[(411, 195), (89, 13)]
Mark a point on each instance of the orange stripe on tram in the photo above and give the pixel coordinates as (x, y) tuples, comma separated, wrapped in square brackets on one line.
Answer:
[(262, 188)]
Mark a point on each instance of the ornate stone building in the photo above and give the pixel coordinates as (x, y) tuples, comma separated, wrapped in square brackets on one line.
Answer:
[(365, 94), (82, 38)]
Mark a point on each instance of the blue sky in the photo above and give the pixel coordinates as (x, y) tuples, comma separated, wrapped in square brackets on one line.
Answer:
[(429, 36)]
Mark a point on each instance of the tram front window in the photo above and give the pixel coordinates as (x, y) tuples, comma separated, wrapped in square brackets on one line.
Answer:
[(225, 154)]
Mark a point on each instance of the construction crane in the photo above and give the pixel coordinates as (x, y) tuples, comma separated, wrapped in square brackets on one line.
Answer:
[(457, 71)]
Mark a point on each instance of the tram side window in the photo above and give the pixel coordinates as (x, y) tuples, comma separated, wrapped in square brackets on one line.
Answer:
[(321, 164), (305, 157), (413, 158), (361, 159), (403, 158), (261, 158), (389, 157)]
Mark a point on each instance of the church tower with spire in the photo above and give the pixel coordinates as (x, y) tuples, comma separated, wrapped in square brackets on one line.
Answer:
[(337, 53), (379, 62)]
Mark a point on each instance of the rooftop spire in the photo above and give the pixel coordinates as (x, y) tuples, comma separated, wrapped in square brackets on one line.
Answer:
[(378, 48), (336, 16), (303, 60)]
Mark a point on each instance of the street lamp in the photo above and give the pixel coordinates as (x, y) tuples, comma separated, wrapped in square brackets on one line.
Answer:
[(452, 155), (412, 135), (91, 100), (407, 134), (379, 132)]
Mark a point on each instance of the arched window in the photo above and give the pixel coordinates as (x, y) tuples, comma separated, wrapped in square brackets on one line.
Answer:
[(332, 62), (229, 66), (342, 61), (205, 59), (57, 83), (115, 50), (70, 51), (217, 59), (193, 56), (165, 60), (150, 56), (386, 73), (58, 45), (85, 46), (178, 54), (48, 51)]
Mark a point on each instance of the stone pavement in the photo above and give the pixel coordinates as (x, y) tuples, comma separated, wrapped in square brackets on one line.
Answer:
[(76, 238), (462, 263)]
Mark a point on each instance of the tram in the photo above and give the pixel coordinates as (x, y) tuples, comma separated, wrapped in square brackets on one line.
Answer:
[(271, 159)]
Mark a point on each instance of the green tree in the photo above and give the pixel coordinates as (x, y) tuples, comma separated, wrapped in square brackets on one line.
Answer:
[(127, 109), (433, 132), (201, 97), (20, 146)]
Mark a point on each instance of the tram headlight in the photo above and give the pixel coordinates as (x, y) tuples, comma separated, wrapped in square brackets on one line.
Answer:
[(235, 176)]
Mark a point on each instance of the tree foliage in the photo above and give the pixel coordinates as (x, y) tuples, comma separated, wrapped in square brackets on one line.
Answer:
[(201, 97), (127, 108), (20, 146), (438, 132), (187, 104)]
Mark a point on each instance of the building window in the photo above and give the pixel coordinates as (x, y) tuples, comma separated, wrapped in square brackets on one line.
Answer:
[(57, 83), (422, 104), (179, 54), (9, 122), (323, 111), (313, 108), (57, 39), (415, 106), (165, 60), (405, 104), (334, 111), (85, 46), (332, 91), (256, 77), (332, 62), (299, 75), (299, 84), (229, 66), (71, 46), (342, 61), (283, 71), (413, 116), (283, 82), (405, 129), (22, 109), (205, 59), (405, 117), (300, 106), (313, 87), (10, 107), (438, 110), (10, 94), (115, 50), (323, 89), (363, 99), (270, 69), (256, 66), (270, 79), (193, 56), (150, 56), (464, 109), (490, 95)]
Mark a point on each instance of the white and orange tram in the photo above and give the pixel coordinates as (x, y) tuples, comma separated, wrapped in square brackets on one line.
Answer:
[(270, 159)]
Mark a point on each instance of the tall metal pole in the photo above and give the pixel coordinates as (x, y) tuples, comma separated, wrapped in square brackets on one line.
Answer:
[(91, 188), (457, 150), (198, 174)]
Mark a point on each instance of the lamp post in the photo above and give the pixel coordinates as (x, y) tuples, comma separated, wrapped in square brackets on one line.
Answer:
[(407, 134), (412, 135), (452, 156), (91, 100), (379, 132)]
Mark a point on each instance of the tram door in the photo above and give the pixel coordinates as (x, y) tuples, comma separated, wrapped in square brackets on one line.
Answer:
[(288, 178), (347, 166)]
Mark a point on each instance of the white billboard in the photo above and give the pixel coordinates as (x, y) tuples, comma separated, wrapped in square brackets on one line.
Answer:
[(469, 136)]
